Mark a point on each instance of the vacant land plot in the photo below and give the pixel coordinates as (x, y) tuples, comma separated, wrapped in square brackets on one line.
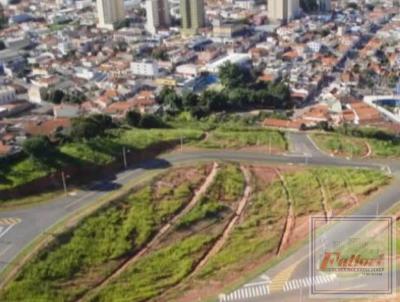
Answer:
[(242, 138), (169, 271), (343, 145), (81, 258), (97, 151), (257, 237), (183, 248)]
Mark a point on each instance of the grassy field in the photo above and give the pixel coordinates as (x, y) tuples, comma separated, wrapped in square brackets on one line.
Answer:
[(258, 234), (241, 138), (343, 145), (228, 185), (98, 151), (78, 259), (176, 258), (81, 257), (340, 145)]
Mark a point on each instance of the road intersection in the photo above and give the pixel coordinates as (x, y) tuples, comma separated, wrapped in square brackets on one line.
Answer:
[(32, 221)]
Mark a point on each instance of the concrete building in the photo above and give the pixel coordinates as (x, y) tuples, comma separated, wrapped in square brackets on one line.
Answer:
[(109, 13), (193, 16), (325, 5), (283, 10), (157, 14), (7, 95), (145, 68)]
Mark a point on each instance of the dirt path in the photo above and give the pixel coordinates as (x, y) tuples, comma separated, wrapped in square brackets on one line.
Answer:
[(157, 238), (369, 150), (228, 229), (324, 201), (290, 219)]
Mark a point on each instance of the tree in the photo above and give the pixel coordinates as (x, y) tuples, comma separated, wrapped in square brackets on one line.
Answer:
[(160, 54), (233, 76), (149, 121), (84, 128), (170, 100), (102, 122), (133, 118), (213, 100), (190, 100), (37, 147)]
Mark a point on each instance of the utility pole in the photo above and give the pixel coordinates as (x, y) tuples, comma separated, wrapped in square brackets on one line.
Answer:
[(269, 144), (64, 182), (124, 157), (181, 143)]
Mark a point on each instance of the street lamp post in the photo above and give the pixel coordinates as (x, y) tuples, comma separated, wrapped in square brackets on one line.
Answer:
[(124, 157), (64, 181)]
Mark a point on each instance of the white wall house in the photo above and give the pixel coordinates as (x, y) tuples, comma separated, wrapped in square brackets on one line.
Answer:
[(145, 68), (7, 95)]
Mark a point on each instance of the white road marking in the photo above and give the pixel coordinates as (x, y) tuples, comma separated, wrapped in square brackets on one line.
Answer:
[(3, 231), (5, 250), (79, 200), (306, 282)]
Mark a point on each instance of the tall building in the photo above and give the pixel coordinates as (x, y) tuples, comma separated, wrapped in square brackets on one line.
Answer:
[(157, 14), (283, 10), (325, 5), (192, 14), (110, 12)]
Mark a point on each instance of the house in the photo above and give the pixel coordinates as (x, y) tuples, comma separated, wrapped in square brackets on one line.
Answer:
[(66, 111), (47, 127)]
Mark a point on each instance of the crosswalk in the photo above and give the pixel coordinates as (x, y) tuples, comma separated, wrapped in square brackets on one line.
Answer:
[(245, 292), (253, 290), (307, 282)]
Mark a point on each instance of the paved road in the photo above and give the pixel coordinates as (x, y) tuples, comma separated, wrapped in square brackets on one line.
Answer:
[(28, 223), (290, 280)]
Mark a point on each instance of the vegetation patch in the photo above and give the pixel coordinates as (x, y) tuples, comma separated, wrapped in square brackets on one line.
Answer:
[(341, 145), (349, 141), (99, 150), (79, 259), (241, 138)]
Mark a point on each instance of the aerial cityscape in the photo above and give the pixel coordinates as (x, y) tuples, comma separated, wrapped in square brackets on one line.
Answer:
[(199, 150)]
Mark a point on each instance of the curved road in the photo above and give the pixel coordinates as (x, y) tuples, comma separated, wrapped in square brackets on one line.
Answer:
[(20, 226)]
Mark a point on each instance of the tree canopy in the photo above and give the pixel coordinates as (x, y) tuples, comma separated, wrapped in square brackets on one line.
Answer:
[(37, 147), (233, 76)]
